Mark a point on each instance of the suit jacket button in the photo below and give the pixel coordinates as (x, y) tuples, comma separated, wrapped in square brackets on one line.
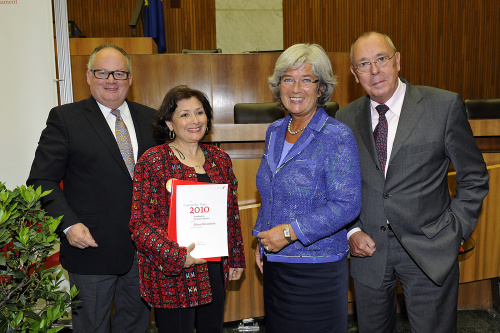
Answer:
[(386, 196), (383, 228)]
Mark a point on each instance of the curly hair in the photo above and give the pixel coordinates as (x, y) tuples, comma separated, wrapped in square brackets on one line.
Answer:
[(169, 105)]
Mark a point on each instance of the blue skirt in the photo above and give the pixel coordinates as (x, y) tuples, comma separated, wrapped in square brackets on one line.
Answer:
[(306, 297)]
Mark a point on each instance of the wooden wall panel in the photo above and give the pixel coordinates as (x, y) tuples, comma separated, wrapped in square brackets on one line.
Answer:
[(245, 297), (192, 26), (98, 18), (482, 262), (447, 44), (240, 78), (227, 79)]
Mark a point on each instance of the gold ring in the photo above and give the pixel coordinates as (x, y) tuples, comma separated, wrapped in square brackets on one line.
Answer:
[(267, 247)]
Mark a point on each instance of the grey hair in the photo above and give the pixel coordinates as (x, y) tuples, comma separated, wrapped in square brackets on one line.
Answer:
[(369, 33), (294, 57), (90, 64)]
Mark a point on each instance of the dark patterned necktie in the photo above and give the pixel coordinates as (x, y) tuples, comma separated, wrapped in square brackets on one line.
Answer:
[(380, 135), (123, 140)]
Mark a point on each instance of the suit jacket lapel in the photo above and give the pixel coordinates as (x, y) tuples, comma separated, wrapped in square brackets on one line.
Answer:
[(98, 122), (276, 142), (277, 139), (364, 124), (410, 114)]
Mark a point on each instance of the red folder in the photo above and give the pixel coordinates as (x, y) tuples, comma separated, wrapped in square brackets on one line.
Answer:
[(172, 219)]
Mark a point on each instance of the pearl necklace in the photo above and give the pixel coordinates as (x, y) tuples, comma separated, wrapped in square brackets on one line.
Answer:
[(296, 132)]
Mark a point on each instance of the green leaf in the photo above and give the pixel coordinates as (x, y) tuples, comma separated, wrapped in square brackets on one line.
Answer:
[(55, 329), (32, 315), (44, 192), (31, 236), (42, 324), (17, 319)]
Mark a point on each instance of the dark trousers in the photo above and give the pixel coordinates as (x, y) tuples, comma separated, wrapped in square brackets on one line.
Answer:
[(207, 318), (306, 297), (430, 308), (98, 292)]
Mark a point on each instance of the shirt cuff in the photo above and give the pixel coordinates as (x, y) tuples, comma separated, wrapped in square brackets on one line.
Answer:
[(352, 231)]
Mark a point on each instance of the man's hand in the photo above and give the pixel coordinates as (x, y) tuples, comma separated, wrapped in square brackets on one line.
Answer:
[(361, 245), (79, 236), (190, 261)]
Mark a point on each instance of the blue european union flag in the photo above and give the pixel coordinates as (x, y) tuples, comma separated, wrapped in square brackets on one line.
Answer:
[(154, 25)]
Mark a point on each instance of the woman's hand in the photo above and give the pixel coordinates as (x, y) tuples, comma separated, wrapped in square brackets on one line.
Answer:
[(273, 240), (190, 261), (235, 273), (258, 259)]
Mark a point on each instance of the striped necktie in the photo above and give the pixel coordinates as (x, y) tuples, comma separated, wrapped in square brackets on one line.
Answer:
[(124, 143)]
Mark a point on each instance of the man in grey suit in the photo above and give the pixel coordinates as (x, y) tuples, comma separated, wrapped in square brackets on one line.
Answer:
[(91, 146), (409, 228)]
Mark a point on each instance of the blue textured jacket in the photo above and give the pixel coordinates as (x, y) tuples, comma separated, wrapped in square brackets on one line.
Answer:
[(317, 189)]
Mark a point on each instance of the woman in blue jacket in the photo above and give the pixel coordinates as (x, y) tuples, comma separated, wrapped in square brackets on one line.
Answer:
[(310, 185)]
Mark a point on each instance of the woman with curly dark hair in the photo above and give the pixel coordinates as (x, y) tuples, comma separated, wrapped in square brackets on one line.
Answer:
[(186, 292)]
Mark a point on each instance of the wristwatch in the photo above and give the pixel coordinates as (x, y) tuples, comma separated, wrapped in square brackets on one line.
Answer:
[(286, 232)]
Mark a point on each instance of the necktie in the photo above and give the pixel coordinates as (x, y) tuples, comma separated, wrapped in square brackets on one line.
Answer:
[(380, 135), (123, 140)]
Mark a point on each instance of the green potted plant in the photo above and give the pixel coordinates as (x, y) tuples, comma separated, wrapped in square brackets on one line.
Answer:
[(30, 296)]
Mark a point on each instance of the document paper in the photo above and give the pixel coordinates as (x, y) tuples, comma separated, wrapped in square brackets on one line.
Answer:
[(201, 217)]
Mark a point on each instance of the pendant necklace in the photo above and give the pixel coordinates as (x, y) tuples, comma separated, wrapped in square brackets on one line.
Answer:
[(182, 157)]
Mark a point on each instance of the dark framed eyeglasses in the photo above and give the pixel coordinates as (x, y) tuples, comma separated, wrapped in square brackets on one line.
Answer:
[(103, 74)]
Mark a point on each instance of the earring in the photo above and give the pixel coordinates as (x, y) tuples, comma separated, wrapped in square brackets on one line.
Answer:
[(171, 135), (206, 131)]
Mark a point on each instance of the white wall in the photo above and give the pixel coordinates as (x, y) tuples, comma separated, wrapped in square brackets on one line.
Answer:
[(244, 25), (27, 87)]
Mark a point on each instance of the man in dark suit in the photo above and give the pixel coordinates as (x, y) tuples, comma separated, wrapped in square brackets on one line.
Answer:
[(409, 228), (79, 148)]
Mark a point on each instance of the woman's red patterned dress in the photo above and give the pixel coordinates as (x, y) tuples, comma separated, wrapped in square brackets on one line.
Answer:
[(164, 281)]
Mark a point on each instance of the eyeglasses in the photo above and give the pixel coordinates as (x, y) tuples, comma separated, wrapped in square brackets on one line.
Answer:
[(364, 67), (103, 74), (305, 82)]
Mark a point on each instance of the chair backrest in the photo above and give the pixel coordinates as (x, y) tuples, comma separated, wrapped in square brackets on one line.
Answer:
[(483, 108), (257, 113), (201, 51), (261, 113), (332, 108)]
